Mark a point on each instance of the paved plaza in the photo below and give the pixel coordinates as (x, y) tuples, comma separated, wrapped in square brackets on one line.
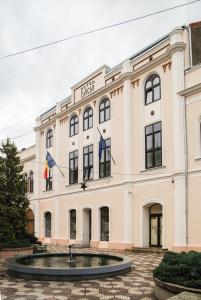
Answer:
[(135, 285)]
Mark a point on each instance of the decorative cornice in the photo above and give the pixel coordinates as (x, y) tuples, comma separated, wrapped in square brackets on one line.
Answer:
[(191, 90)]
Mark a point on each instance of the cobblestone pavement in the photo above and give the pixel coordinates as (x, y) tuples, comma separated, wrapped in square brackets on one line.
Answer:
[(135, 285)]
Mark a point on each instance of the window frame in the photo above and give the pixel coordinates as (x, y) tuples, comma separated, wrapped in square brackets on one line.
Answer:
[(88, 169), (74, 123), (106, 163), (104, 110), (151, 88), (48, 231), (154, 149), (104, 234), (73, 173), (72, 223), (88, 116), (49, 138), (31, 182), (49, 181)]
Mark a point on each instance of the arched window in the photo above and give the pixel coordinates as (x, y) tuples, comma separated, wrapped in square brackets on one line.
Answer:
[(49, 138), (48, 224), (72, 214), (26, 182), (104, 110), (88, 118), (74, 125), (104, 223), (30, 182), (152, 89)]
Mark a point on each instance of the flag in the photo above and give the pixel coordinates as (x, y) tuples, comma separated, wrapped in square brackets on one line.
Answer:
[(49, 164), (102, 146)]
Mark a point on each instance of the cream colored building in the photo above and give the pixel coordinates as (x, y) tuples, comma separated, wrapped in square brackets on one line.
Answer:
[(148, 108)]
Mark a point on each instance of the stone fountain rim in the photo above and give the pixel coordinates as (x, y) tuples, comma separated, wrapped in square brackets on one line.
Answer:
[(18, 270)]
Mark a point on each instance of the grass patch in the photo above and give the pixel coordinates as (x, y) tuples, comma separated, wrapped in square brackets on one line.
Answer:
[(180, 268)]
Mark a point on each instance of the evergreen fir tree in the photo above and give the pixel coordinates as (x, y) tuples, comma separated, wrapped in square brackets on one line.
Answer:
[(13, 198)]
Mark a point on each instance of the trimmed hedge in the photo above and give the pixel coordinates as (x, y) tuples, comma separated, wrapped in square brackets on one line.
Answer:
[(15, 244), (180, 268)]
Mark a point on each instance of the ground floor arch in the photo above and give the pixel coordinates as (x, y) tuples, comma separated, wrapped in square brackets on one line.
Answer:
[(87, 225), (152, 225), (30, 221)]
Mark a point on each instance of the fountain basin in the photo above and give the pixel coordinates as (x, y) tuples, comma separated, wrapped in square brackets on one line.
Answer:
[(56, 266)]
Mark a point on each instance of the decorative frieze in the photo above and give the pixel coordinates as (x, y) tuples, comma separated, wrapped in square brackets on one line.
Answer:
[(64, 120), (135, 83), (167, 66), (117, 91)]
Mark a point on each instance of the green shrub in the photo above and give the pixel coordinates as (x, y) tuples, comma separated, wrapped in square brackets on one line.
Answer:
[(180, 268), (15, 244)]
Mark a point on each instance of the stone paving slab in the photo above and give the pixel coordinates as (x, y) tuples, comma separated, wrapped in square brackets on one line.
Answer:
[(135, 285)]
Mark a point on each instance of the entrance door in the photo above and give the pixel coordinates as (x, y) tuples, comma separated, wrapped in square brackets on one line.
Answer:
[(156, 230), (87, 225)]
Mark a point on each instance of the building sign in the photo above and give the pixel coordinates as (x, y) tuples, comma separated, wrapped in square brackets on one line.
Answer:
[(88, 88)]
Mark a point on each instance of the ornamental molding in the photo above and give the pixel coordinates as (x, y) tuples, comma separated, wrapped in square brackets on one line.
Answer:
[(116, 91), (135, 83), (167, 66)]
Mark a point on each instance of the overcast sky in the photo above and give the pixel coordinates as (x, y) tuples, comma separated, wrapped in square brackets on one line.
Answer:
[(32, 82)]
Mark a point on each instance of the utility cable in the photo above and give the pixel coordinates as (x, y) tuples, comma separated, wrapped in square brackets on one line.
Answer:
[(96, 30)]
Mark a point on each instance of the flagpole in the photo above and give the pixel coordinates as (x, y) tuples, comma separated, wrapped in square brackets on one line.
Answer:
[(108, 149), (60, 171)]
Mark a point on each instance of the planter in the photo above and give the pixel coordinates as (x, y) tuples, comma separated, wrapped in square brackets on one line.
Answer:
[(165, 290), (8, 252)]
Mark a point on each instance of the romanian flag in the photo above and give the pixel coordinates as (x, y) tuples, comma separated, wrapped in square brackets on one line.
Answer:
[(48, 164), (46, 170)]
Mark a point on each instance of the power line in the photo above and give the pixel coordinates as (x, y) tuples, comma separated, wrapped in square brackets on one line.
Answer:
[(96, 30), (19, 136)]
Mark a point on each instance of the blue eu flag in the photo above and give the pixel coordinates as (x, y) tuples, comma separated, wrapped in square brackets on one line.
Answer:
[(102, 146), (50, 161)]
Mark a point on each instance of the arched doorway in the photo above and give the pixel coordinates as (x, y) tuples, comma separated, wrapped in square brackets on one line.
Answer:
[(30, 221), (152, 221), (72, 215), (48, 224), (86, 225), (155, 217), (104, 223)]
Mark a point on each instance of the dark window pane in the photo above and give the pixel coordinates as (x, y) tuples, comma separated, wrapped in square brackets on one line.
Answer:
[(156, 80), (157, 93), (149, 159), (149, 97), (157, 138), (149, 129), (157, 126), (158, 158), (148, 84), (101, 116), (149, 142)]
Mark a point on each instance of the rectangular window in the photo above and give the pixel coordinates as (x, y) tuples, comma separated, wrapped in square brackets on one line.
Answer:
[(88, 162), (49, 181), (105, 162), (153, 145), (73, 167), (195, 42)]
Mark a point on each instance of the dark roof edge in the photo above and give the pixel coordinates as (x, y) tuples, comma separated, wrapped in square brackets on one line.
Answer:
[(48, 111), (149, 46)]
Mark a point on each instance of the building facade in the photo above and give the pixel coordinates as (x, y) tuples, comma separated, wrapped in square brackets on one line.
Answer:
[(142, 182)]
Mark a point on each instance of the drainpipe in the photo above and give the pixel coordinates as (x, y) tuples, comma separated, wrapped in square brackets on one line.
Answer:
[(186, 143)]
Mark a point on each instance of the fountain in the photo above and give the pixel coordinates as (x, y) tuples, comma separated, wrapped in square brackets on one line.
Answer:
[(68, 266)]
